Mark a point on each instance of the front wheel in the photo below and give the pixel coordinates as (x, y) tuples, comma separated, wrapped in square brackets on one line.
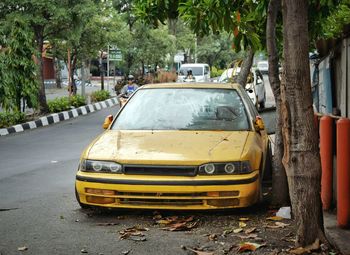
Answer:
[(268, 164)]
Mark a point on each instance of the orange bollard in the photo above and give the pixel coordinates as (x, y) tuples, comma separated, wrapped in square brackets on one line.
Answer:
[(343, 173), (326, 152)]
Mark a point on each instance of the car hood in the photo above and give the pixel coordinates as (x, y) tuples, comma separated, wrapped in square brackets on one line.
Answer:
[(168, 147)]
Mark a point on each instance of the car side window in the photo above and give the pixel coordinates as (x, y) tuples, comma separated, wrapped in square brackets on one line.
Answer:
[(206, 70)]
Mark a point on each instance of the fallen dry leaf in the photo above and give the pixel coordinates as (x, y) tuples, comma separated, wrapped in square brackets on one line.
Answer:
[(200, 252), (213, 237), (247, 246), (302, 250), (226, 232), (278, 225), (275, 218), (176, 224), (242, 224), (249, 230), (237, 230), (164, 222), (134, 231), (23, 248), (244, 219)]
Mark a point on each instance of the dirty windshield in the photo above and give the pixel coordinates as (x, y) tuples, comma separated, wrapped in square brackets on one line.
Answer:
[(183, 109)]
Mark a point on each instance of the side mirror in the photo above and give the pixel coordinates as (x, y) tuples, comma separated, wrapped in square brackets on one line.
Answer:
[(108, 121), (259, 124)]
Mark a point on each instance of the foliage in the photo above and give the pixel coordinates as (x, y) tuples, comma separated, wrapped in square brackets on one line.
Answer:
[(8, 119), (59, 104), (215, 49), (99, 95), (77, 100), (340, 16), (17, 67), (216, 72)]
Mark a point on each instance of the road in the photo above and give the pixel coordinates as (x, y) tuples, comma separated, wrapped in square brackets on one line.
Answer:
[(38, 209)]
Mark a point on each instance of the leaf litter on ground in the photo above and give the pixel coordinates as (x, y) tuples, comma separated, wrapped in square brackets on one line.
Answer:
[(248, 246), (175, 223), (134, 233)]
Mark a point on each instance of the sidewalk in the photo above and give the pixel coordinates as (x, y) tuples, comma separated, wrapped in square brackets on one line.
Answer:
[(338, 237)]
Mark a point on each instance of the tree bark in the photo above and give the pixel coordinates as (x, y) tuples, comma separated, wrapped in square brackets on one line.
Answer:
[(39, 31), (58, 73), (245, 68), (102, 72), (280, 196), (301, 153)]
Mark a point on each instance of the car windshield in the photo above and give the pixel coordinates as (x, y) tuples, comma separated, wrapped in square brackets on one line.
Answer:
[(183, 109), (195, 70)]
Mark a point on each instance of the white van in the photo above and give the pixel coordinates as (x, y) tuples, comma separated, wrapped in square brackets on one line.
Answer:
[(201, 72)]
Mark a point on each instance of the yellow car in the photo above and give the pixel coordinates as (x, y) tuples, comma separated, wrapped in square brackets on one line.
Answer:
[(178, 146)]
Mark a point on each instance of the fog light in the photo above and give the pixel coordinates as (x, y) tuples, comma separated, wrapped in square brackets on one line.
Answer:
[(100, 200), (223, 202), (213, 194), (100, 191)]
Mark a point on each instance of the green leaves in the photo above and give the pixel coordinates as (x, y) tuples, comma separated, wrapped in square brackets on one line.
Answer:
[(18, 71)]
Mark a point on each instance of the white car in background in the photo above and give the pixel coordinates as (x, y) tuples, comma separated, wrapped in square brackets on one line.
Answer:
[(255, 86), (263, 66), (200, 72)]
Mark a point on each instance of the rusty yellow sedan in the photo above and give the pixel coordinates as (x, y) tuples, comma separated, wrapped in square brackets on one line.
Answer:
[(177, 146)]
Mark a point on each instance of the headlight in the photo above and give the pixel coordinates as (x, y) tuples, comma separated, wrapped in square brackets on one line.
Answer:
[(240, 167), (100, 166), (209, 168)]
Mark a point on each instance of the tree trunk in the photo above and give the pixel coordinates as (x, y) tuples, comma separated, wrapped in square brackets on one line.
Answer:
[(58, 73), (280, 196), (245, 68), (74, 66), (102, 72), (172, 23), (42, 96), (301, 153)]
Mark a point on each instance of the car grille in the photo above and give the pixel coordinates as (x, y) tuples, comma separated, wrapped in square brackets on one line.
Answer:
[(160, 170), (174, 202)]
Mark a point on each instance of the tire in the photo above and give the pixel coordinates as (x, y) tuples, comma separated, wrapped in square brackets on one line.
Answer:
[(262, 105), (268, 164)]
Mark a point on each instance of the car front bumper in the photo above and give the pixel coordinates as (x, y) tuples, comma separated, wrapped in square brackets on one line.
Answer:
[(170, 192)]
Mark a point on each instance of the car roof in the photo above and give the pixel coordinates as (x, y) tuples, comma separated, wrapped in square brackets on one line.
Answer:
[(193, 64), (193, 85)]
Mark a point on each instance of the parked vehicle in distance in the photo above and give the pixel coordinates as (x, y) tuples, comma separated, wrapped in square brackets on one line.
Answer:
[(188, 146), (263, 66), (255, 86), (200, 72)]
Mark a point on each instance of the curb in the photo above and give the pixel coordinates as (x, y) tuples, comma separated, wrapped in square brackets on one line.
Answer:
[(58, 117)]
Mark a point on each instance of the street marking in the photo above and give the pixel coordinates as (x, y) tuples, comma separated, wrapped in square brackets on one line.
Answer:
[(18, 128), (32, 124), (4, 131), (65, 115), (98, 106), (104, 104), (75, 113), (91, 108), (83, 110), (55, 118), (44, 121)]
